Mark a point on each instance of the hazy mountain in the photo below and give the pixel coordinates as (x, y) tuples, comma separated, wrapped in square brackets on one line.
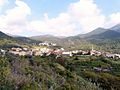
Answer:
[(101, 33), (3, 35), (27, 40), (23, 39), (110, 34), (47, 38), (13, 35), (66, 42), (116, 28), (9, 41), (96, 32), (100, 37), (106, 39)]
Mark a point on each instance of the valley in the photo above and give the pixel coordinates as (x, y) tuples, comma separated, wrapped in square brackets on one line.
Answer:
[(83, 62)]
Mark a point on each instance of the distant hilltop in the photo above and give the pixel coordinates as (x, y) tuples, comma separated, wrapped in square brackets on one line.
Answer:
[(102, 39)]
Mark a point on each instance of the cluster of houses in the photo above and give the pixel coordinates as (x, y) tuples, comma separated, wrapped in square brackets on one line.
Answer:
[(59, 52), (47, 44), (20, 51), (109, 55), (46, 51), (35, 52)]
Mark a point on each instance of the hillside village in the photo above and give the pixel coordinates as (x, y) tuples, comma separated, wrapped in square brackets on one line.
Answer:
[(50, 49), (59, 45), (46, 49), (89, 63)]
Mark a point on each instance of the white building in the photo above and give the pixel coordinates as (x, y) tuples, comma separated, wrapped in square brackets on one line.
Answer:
[(67, 53)]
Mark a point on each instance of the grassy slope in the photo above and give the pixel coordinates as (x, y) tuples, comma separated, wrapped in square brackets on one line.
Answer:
[(44, 74)]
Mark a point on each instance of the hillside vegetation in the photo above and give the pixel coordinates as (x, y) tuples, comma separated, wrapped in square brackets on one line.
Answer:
[(102, 39), (8, 41), (49, 73), (18, 73)]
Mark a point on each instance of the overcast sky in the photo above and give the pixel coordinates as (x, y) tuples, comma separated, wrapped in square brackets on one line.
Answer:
[(57, 17)]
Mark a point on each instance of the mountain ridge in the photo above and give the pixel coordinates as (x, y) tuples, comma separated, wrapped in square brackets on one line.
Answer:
[(7, 41), (98, 37)]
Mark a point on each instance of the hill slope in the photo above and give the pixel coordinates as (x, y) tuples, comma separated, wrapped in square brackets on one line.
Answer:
[(110, 34), (102, 39), (47, 38), (7, 41), (116, 28)]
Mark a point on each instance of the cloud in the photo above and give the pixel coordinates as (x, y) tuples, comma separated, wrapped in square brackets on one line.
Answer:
[(19, 12), (87, 14), (81, 17), (2, 2), (114, 18), (15, 20), (60, 25)]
